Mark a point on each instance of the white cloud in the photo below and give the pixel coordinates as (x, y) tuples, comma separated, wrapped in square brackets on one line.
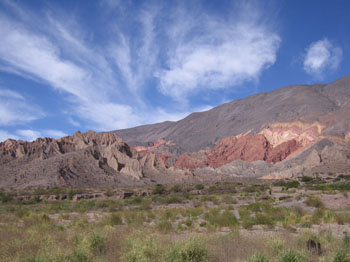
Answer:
[(14, 109), (321, 56), (53, 133), (109, 116), (37, 56), (106, 81), (28, 135), (224, 54), (6, 135), (73, 122)]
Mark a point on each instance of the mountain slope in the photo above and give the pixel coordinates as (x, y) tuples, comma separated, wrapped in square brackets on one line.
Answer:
[(327, 105)]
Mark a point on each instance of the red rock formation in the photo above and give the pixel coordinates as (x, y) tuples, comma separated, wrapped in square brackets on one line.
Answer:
[(247, 148), (282, 151)]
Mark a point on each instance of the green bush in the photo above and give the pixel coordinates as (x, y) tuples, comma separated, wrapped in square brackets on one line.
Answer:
[(189, 251), (97, 243), (199, 187), (292, 256), (314, 202), (225, 219), (173, 199), (4, 197), (158, 189), (164, 226), (264, 219), (258, 257), (142, 249), (341, 256), (176, 189), (287, 184), (115, 219)]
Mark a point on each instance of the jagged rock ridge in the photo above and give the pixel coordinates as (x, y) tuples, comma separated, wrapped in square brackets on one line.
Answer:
[(84, 159)]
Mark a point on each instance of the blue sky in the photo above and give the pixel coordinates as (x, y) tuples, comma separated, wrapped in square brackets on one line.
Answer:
[(106, 65)]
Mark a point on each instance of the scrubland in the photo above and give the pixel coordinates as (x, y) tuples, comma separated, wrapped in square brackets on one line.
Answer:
[(252, 221)]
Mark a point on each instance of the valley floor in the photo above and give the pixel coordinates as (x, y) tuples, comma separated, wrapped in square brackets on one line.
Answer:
[(255, 222)]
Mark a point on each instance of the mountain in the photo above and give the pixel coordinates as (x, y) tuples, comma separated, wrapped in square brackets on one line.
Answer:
[(275, 128), (326, 106), (289, 132), (83, 160)]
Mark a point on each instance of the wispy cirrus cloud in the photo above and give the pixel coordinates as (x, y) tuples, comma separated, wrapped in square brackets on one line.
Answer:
[(320, 56), (15, 109), (171, 51)]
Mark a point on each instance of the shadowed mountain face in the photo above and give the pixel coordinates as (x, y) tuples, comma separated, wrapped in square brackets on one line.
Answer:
[(325, 105)]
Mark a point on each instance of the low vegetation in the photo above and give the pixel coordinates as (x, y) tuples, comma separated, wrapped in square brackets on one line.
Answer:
[(248, 222)]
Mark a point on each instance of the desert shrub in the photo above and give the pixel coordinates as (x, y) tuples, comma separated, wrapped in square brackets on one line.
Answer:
[(115, 219), (264, 219), (176, 189), (298, 210), (51, 191), (306, 179), (199, 187), (109, 193), (188, 222), (314, 202), (317, 216), (84, 205), (192, 250), (164, 226), (212, 189), (5, 197), (158, 189), (276, 245), (133, 201), (142, 249), (227, 199), (292, 256), (346, 177), (287, 184), (341, 256), (335, 186), (255, 188), (211, 198), (225, 219), (258, 257), (172, 199), (97, 243)]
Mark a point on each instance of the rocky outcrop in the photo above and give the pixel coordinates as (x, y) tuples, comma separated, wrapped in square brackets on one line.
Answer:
[(244, 147), (82, 160)]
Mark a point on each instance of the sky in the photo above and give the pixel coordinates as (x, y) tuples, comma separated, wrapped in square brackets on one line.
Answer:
[(104, 65)]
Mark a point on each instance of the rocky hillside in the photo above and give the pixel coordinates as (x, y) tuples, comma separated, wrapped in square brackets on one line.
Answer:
[(289, 132), (324, 106), (83, 160), (257, 132)]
